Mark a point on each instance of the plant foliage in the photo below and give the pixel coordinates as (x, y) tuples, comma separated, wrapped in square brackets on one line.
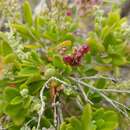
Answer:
[(51, 77)]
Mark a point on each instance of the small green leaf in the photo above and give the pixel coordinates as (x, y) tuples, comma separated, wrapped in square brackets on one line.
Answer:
[(29, 71), (63, 126), (113, 17), (3, 37), (111, 116), (10, 58), (100, 83), (10, 93), (101, 68), (100, 123), (68, 69), (58, 62), (76, 124), (14, 128), (1, 104), (69, 127), (36, 58), (105, 31), (98, 114), (21, 28), (5, 48), (110, 126), (107, 60), (16, 100), (27, 102), (45, 122), (34, 87), (88, 58), (87, 117), (91, 72), (13, 110), (119, 60), (95, 45), (27, 11), (20, 118)]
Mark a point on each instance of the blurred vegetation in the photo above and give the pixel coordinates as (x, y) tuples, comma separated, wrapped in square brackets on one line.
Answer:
[(54, 76)]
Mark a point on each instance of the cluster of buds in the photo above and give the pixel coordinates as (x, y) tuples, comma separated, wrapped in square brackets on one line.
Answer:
[(84, 6), (75, 58), (69, 12), (9, 8)]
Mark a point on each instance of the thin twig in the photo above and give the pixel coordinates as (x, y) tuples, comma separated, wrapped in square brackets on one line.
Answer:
[(114, 105), (114, 91), (84, 95), (79, 103), (66, 84), (60, 112), (55, 112), (42, 99), (101, 94), (42, 102), (26, 125), (124, 106), (99, 77)]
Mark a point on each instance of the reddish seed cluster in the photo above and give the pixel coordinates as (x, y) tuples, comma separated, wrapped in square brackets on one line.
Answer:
[(76, 57), (69, 12)]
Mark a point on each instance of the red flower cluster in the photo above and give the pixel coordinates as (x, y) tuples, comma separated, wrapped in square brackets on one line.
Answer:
[(69, 12), (76, 57)]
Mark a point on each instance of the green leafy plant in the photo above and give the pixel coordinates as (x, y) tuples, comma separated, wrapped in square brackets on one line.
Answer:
[(108, 41), (99, 120), (47, 69)]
